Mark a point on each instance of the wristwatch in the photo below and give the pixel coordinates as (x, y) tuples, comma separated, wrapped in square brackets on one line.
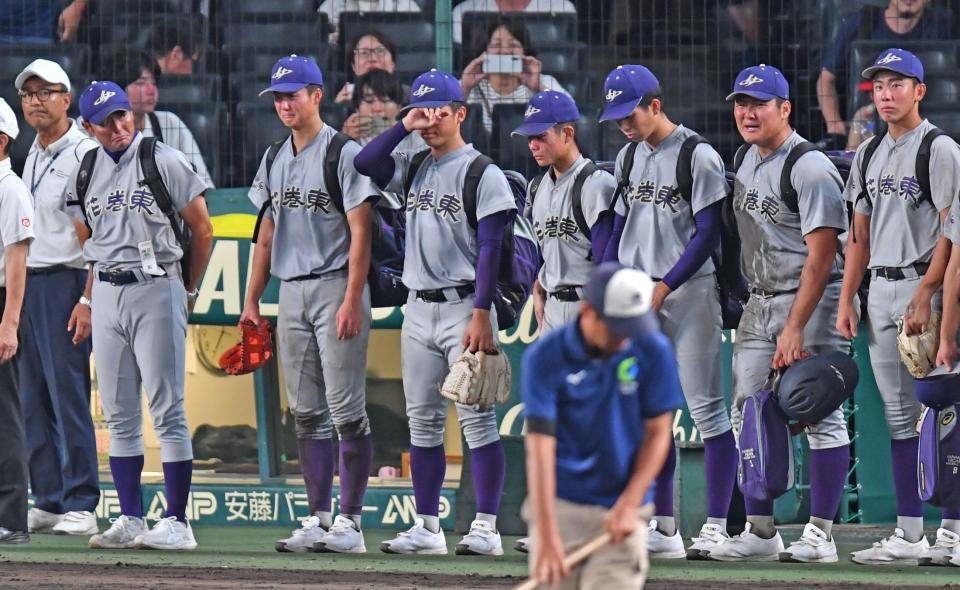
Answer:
[(192, 295), (84, 301)]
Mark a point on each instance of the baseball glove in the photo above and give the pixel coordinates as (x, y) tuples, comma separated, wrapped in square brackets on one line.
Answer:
[(253, 351), (482, 379), (919, 351)]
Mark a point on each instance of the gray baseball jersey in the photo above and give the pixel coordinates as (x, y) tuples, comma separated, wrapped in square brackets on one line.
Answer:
[(566, 251), (951, 228), (660, 222), (122, 214), (441, 247), (773, 251), (46, 172), (904, 231), (311, 236), (16, 212)]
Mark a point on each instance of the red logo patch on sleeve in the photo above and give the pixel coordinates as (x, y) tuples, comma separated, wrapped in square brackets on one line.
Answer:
[(25, 222)]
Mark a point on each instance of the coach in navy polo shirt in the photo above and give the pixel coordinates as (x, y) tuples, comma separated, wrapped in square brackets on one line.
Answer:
[(600, 395)]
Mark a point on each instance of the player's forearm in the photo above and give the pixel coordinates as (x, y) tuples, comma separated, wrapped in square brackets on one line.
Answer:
[(374, 159), (938, 264), (950, 322), (358, 264), (700, 248), (88, 287), (201, 247), (15, 274), (542, 480), (260, 269), (600, 234), (857, 258), (650, 458), (822, 250), (490, 238)]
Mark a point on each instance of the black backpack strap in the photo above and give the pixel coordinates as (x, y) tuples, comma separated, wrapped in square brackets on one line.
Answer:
[(625, 169), (155, 125), (865, 162), (415, 162), (331, 167), (147, 154), (471, 183), (532, 189), (923, 163), (83, 179), (685, 164), (272, 152), (577, 196), (739, 156), (788, 194)]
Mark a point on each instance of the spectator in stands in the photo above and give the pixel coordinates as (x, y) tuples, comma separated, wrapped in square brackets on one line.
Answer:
[(176, 45), (137, 74), (508, 36), (333, 8), (902, 21), (529, 6), (378, 98), (36, 21), (370, 50)]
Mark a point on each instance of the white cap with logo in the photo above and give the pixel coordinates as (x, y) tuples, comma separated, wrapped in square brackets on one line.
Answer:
[(46, 70), (8, 120)]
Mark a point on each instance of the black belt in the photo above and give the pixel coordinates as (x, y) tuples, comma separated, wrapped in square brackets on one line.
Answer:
[(43, 270), (318, 275), (768, 294), (566, 294), (438, 295), (893, 273), (118, 277)]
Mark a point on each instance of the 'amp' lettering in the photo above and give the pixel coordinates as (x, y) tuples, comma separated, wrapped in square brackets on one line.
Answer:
[(404, 509)]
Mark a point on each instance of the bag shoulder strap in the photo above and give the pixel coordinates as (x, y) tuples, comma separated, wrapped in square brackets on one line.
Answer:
[(625, 169), (923, 163), (788, 194), (331, 168), (415, 162), (739, 156), (532, 190), (576, 196), (83, 178), (868, 152), (147, 154), (471, 183), (155, 125), (685, 164)]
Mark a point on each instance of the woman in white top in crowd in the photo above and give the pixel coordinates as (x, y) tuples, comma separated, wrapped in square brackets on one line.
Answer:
[(370, 50), (507, 37)]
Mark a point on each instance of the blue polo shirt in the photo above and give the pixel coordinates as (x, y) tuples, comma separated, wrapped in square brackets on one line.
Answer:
[(596, 407)]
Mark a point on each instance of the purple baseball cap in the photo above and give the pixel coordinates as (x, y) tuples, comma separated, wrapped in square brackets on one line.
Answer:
[(433, 89), (102, 99), (293, 72), (545, 110), (762, 82), (623, 297), (896, 60), (624, 88)]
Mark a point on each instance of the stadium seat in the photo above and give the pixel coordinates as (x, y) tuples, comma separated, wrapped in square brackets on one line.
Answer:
[(256, 127), (145, 7), (296, 32), (74, 58), (588, 137), (259, 59), (943, 88), (334, 114), (412, 62), (207, 122), (255, 9), (195, 88), (473, 130), (406, 29), (949, 122), (511, 152), (562, 60)]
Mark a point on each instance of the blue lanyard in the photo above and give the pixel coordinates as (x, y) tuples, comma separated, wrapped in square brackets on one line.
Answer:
[(35, 182)]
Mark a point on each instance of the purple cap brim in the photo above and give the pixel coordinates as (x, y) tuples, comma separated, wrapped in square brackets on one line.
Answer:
[(284, 87), (872, 71), (615, 112), (100, 116), (530, 129), (633, 327), (754, 94), (430, 104)]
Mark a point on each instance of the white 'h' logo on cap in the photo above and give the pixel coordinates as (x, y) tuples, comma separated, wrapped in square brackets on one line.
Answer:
[(531, 111), (888, 59), (281, 72), (423, 90), (751, 80), (613, 94), (105, 95)]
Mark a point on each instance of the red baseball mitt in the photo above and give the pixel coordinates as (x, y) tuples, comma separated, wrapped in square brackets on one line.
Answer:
[(253, 351)]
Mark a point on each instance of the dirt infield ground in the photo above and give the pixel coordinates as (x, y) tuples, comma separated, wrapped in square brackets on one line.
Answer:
[(243, 559)]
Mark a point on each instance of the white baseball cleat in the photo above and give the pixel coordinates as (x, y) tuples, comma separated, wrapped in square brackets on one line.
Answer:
[(892, 550), (168, 534), (302, 539), (122, 534), (522, 545), (343, 537), (946, 547), (747, 547), (660, 546), (77, 523), (417, 540), (710, 536), (813, 546), (482, 539), (41, 521)]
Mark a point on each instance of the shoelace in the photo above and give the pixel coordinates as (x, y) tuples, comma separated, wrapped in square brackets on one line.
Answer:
[(341, 526), (946, 542)]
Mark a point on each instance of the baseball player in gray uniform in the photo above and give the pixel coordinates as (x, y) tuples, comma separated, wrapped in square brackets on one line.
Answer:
[(790, 258), (319, 248), (16, 233), (671, 237), (897, 237), (450, 267), (570, 207), (139, 303), (54, 370)]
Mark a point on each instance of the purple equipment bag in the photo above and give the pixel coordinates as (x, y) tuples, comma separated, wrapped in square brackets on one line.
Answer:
[(766, 469), (938, 465)]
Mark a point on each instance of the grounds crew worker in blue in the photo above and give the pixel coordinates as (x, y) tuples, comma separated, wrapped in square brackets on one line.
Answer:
[(599, 394)]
